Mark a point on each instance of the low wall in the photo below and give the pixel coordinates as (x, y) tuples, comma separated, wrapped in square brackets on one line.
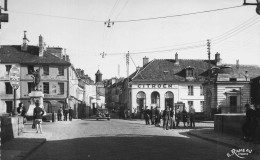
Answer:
[(11, 127), (232, 124)]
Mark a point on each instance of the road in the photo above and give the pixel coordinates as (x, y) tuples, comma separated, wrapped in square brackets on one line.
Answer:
[(122, 140)]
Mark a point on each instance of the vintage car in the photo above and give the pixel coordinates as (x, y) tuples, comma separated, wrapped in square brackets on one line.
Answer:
[(102, 113)]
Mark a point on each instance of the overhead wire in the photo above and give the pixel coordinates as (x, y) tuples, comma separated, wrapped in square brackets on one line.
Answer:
[(130, 20), (179, 15), (55, 16)]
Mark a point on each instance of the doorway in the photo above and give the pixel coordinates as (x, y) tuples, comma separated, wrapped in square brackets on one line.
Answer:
[(233, 104)]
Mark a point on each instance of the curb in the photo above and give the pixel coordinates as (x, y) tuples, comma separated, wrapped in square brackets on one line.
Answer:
[(212, 140), (24, 155)]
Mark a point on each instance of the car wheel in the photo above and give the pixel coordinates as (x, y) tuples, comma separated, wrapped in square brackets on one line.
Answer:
[(108, 119)]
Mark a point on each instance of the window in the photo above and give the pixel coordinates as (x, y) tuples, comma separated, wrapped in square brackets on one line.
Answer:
[(9, 106), (201, 91), (7, 68), (46, 87), (45, 70), (8, 88), (61, 70), (61, 88), (190, 90), (30, 69), (189, 73), (190, 103), (30, 87), (202, 106)]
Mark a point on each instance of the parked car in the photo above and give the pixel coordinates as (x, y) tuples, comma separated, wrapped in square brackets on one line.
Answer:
[(102, 113)]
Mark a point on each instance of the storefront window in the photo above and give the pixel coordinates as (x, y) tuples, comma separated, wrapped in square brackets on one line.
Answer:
[(155, 98), (141, 99), (169, 98)]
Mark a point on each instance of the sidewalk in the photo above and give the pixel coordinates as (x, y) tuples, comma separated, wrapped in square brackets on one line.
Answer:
[(234, 142), (19, 148)]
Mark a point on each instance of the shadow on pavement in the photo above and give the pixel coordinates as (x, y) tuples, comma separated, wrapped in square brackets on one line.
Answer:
[(130, 147)]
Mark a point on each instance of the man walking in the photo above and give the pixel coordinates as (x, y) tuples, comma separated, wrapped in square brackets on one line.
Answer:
[(60, 114), (192, 116), (152, 116), (70, 114), (172, 119), (166, 117)]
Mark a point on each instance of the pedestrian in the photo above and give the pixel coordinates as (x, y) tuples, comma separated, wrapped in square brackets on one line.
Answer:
[(65, 114), (192, 116), (178, 117), (70, 114), (37, 115), (157, 116), (247, 126), (184, 116), (147, 116), (172, 119), (152, 114), (129, 114), (166, 118), (23, 112), (60, 114)]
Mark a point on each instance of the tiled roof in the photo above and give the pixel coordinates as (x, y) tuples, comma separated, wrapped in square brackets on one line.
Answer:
[(13, 54), (168, 70)]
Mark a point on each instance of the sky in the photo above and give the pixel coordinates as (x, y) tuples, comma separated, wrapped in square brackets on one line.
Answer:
[(78, 26)]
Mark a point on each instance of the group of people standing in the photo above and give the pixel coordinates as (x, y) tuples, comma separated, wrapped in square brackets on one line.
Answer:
[(170, 119), (64, 113)]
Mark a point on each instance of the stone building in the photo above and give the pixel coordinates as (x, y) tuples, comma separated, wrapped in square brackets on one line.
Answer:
[(229, 88), (59, 81)]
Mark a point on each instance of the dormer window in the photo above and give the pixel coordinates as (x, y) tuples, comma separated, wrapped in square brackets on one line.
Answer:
[(189, 71)]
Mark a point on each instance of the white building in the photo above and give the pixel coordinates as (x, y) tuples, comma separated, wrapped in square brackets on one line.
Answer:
[(164, 82)]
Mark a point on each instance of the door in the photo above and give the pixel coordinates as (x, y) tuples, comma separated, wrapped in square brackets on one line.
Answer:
[(233, 104)]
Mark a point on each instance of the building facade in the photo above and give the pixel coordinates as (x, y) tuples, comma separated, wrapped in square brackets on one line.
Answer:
[(165, 82), (54, 72), (229, 88)]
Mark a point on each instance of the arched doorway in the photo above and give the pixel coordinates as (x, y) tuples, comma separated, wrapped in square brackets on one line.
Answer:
[(155, 99), (169, 99), (141, 101), (47, 106)]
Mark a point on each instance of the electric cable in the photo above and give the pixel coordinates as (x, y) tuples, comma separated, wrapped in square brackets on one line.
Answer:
[(179, 15), (54, 16)]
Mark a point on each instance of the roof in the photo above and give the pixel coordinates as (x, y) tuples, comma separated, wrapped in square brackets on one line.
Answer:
[(168, 70), (14, 54)]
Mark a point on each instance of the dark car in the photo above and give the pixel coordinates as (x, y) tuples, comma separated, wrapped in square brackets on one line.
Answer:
[(102, 113)]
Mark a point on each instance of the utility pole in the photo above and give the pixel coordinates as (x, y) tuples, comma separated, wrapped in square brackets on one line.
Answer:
[(127, 72), (208, 49)]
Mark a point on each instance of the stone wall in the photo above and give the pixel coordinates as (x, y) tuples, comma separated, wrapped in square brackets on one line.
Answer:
[(232, 124), (11, 127)]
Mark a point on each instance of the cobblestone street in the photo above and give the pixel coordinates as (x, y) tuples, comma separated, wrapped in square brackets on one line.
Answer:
[(122, 139)]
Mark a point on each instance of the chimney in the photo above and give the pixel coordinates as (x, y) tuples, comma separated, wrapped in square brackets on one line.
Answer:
[(237, 64), (67, 58), (41, 46), (176, 58), (137, 68), (217, 59), (113, 80), (145, 60), (24, 45), (82, 72)]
